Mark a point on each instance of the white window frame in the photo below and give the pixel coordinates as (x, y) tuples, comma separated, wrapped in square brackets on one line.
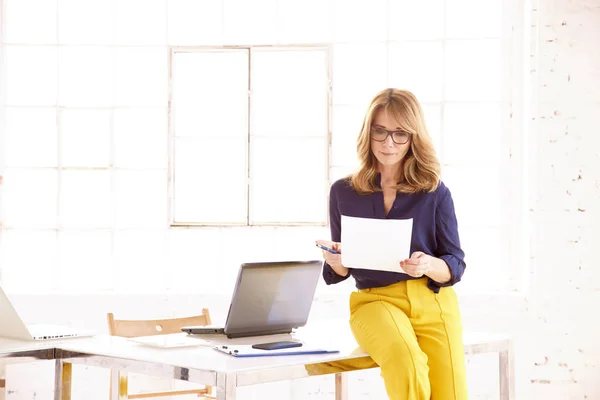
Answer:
[(171, 147), (519, 103), (517, 29), (524, 25)]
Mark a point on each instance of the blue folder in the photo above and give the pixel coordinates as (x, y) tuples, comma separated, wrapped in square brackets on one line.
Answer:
[(248, 351)]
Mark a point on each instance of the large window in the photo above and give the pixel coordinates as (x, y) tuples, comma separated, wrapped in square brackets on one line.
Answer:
[(250, 136), (142, 141), (84, 107)]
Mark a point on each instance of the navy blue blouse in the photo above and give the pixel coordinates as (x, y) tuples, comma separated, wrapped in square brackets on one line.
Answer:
[(435, 230)]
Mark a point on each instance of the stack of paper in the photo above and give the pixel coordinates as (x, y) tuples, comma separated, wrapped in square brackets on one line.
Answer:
[(377, 244)]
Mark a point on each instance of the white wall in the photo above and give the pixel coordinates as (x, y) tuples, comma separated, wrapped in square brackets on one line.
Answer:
[(564, 353), (558, 351)]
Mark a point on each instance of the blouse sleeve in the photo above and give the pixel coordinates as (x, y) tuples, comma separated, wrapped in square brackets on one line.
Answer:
[(329, 275), (448, 241)]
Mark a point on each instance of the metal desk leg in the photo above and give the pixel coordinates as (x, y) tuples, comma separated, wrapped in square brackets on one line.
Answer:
[(62, 380), (507, 373), (2, 382), (226, 386), (341, 386)]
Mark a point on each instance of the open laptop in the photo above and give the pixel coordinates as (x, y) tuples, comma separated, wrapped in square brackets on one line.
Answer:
[(12, 325), (269, 298)]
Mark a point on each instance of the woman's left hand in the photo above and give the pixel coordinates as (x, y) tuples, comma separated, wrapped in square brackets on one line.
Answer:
[(417, 265)]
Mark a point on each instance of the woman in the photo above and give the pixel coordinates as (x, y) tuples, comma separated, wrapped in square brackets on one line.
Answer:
[(409, 323)]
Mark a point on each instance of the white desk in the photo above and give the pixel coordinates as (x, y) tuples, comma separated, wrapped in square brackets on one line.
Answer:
[(17, 351), (203, 365), (200, 364)]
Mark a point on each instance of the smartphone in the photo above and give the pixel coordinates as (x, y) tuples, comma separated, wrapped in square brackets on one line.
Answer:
[(286, 344), (327, 249)]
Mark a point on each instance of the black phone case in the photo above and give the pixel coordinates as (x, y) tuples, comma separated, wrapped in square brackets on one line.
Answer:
[(276, 345)]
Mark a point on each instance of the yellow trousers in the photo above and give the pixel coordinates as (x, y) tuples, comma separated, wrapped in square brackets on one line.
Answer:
[(414, 335)]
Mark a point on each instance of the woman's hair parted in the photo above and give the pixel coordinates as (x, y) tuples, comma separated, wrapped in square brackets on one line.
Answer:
[(420, 165)]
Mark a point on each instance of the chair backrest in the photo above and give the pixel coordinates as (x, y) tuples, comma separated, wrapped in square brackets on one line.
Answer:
[(150, 327)]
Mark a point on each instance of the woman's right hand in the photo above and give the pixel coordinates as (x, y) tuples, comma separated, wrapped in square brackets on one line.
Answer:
[(334, 260)]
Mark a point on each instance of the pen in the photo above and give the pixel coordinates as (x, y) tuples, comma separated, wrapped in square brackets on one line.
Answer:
[(327, 249)]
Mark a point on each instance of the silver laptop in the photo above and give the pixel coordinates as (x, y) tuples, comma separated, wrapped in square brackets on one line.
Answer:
[(12, 325), (269, 298)]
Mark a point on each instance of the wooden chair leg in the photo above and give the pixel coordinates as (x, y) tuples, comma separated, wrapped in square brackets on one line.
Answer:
[(341, 386), (2, 382), (62, 380), (208, 394), (118, 385), (67, 379)]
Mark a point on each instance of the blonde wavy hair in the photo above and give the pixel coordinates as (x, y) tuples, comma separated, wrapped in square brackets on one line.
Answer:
[(420, 165)]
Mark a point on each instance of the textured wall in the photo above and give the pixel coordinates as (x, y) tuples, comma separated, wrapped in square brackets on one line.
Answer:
[(564, 350)]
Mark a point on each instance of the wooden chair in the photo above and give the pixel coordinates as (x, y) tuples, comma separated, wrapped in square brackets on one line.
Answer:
[(136, 328)]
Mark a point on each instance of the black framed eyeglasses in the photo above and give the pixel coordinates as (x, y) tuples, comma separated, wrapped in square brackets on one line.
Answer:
[(381, 135)]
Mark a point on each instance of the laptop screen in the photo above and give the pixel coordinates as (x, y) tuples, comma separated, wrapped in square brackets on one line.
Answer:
[(271, 297)]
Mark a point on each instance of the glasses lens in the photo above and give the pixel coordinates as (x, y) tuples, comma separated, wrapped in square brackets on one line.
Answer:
[(378, 134), (400, 137)]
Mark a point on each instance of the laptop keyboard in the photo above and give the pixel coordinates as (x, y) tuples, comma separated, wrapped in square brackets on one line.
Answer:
[(43, 331)]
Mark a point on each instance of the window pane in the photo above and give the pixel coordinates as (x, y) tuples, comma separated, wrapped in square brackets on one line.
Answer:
[(298, 243), (195, 254), (30, 137), (336, 173), (289, 182), (210, 94), (85, 76), (30, 75), (434, 125), (478, 244), (347, 123), (24, 26), (472, 133), (85, 259), (461, 24), (139, 261), (193, 22), (85, 22), (249, 22), (420, 20), (284, 82), (356, 21), (28, 260), (418, 67), (473, 70), (85, 138), (294, 16), (140, 138), (141, 77), (141, 22), (482, 207), (30, 198), (359, 73), (85, 199), (249, 244), (141, 199), (210, 180)]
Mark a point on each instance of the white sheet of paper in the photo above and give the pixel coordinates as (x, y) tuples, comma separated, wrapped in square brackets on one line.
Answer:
[(377, 244)]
